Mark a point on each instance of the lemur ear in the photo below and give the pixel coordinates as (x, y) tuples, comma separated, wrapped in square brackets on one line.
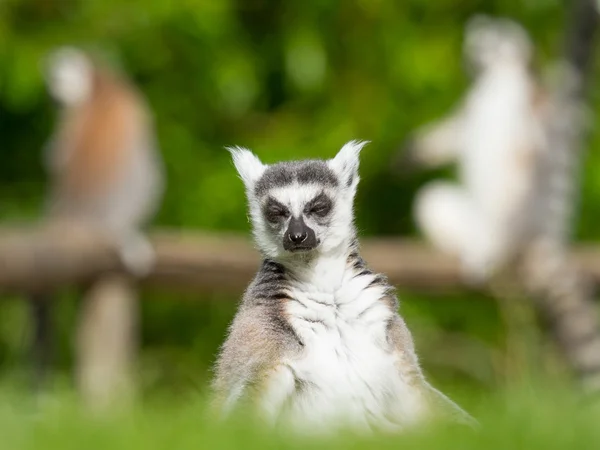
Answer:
[(346, 162), (249, 167)]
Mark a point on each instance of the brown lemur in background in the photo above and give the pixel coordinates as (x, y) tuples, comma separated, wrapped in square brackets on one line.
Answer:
[(105, 173)]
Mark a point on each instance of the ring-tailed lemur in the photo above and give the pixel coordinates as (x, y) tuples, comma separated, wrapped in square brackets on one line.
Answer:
[(317, 340), (105, 172), (498, 138)]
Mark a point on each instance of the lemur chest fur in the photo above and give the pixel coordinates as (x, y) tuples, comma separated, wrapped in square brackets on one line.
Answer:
[(347, 368), (344, 336)]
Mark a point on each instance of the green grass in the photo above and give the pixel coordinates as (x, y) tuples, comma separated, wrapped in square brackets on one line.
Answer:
[(532, 420)]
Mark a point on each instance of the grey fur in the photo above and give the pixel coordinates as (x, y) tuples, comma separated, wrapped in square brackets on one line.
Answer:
[(259, 335), (304, 172)]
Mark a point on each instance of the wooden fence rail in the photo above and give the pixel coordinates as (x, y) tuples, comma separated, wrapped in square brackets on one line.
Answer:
[(42, 258), (39, 258)]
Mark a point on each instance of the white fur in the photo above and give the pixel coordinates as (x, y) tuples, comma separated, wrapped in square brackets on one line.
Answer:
[(248, 166), (70, 76), (498, 137), (351, 373), (346, 162)]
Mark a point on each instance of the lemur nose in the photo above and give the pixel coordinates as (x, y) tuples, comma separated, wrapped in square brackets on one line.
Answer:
[(298, 236)]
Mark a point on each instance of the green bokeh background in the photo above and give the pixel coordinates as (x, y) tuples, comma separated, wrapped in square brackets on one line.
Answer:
[(288, 79)]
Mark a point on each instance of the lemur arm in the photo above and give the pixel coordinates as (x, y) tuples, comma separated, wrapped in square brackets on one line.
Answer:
[(250, 353), (437, 143), (400, 338)]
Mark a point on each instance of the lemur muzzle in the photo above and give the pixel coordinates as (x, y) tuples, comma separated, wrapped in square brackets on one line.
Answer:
[(299, 236)]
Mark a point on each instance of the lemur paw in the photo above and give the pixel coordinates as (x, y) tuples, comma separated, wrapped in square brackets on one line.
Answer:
[(137, 255)]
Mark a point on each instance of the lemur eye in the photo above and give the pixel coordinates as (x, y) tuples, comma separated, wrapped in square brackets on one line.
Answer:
[(275, 211), (320, 210), (320, 206)]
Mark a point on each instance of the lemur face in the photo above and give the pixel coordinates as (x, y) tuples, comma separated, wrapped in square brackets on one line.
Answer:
[(300, 208), (297, 202)]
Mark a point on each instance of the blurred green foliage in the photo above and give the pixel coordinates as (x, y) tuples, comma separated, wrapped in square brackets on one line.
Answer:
[(527, 420), (287, 79)]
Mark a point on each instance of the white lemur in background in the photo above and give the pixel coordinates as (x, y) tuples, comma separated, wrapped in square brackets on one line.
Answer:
[(497, 137), (104, 168), (317, 341)]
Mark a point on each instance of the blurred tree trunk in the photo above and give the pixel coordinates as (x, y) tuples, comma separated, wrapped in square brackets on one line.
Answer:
[(106, 342), (562, 294)]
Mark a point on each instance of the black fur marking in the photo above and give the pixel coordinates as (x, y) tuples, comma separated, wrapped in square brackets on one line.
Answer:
[(321, 322), (372, 392), (269, 290), (274, 211), (379, 280), (269, 282), (304, 172), (350, 180), (319, 207), (270, 273), (358, 263), (293, 299), (300, 385), (280, 324), (320, 303), (278, 296), (274, 267)]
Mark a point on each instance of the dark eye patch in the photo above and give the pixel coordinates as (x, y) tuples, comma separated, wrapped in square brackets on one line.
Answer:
[(319, 206), (275, 211)]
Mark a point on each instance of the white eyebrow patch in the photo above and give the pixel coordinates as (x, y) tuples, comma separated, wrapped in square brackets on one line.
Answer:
[(295, 196)]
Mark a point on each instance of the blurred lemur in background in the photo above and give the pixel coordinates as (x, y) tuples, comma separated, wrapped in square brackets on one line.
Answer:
[(498, 138), (317, 341), (104, 168)]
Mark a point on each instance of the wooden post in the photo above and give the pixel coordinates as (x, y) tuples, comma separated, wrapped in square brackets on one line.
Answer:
[(107, 342)]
